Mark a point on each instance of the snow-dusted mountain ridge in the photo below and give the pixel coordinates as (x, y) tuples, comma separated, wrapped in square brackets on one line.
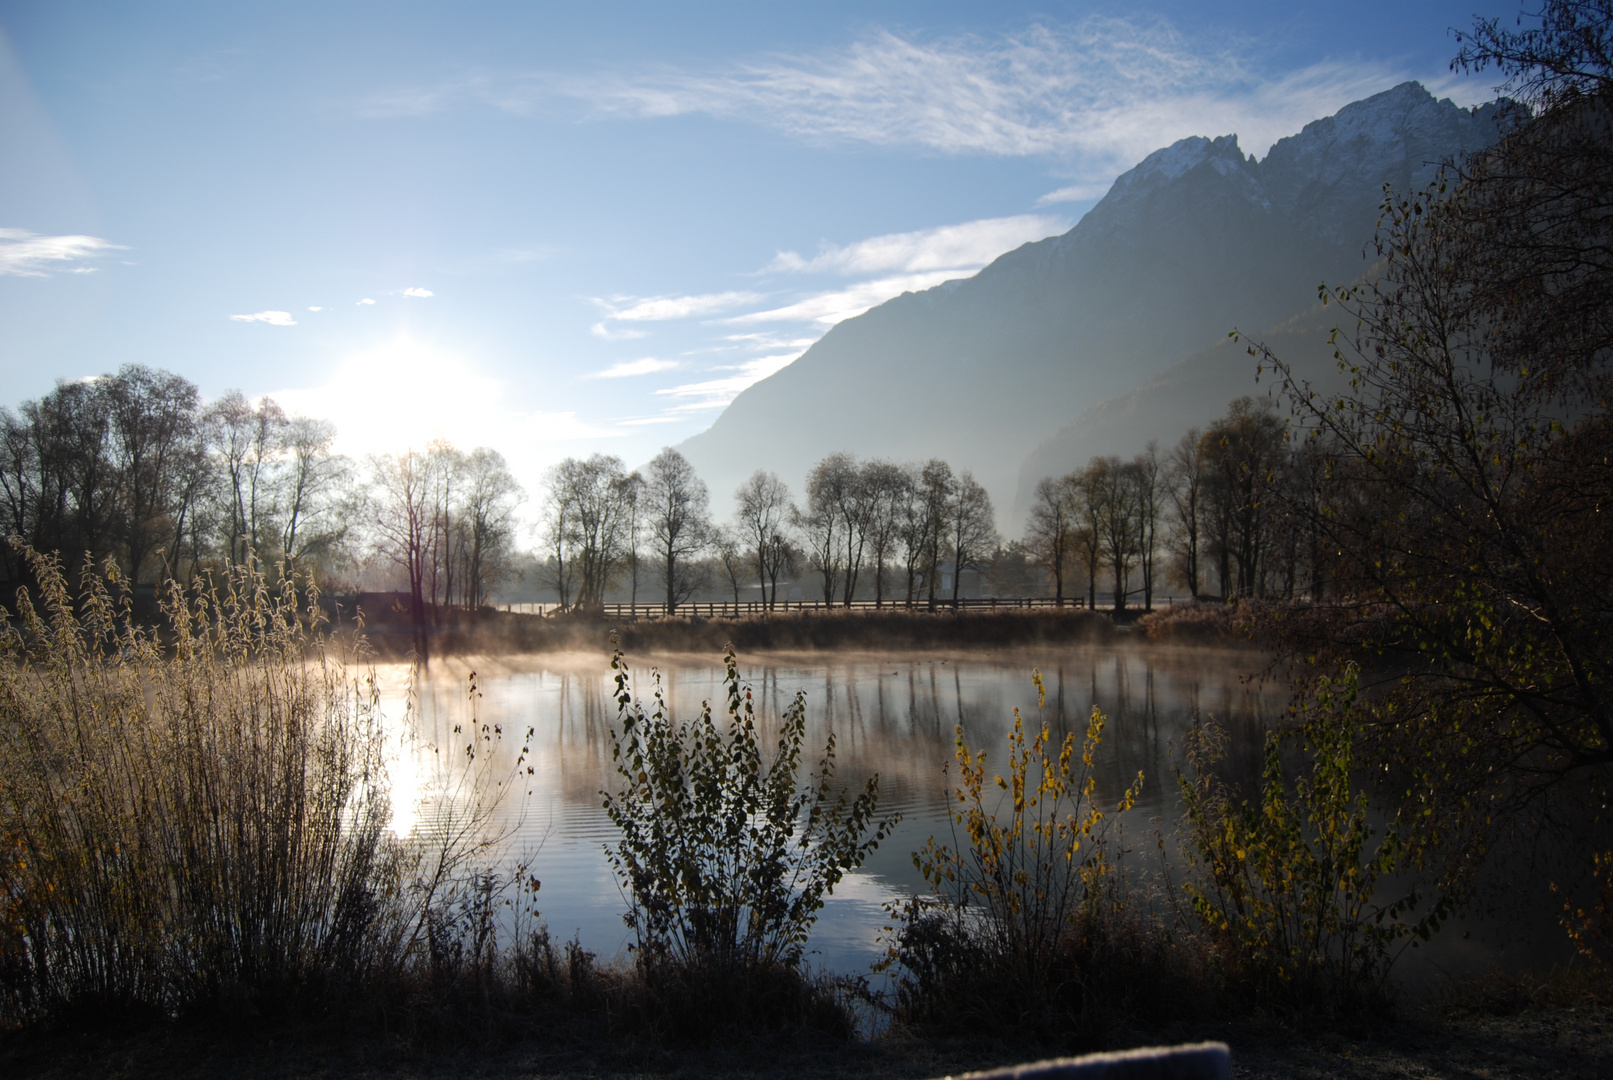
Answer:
[(1198, 238)]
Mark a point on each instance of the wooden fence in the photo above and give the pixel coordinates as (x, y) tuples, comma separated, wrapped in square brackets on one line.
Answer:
[(719, 609)]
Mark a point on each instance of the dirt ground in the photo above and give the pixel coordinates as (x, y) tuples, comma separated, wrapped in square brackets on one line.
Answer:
[(1559, 1041)]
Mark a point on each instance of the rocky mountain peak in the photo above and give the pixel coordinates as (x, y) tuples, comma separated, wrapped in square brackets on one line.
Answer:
[(1326, 180)]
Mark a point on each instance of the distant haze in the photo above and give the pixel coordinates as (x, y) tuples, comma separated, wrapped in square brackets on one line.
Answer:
[(1014, 373)]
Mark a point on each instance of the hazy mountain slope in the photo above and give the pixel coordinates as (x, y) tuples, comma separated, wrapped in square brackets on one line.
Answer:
[(1188, 394), (1195, 240)]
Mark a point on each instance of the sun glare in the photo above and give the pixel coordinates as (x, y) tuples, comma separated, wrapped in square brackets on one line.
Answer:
[(404, 393)]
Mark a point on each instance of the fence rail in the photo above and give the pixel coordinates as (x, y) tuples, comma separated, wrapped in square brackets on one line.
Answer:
[(720, 609)]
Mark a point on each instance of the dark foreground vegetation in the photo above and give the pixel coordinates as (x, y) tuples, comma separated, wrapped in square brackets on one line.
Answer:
[(195, 821)]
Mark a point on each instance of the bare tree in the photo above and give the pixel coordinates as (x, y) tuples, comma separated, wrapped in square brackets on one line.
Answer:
[(936, 489), (764, 516), (1184, 485), (856, 511), (1149, 492), (316, 493), (556, 529), (1085, 539), (155, 443), (821, 524), (1242, 452), (593, 504), (886, 492), (912, 531), (678, 517), (733, 555), (1050, 536), (488, 500), (971, 529), (445, 467), (634, 506), (402, 524), (1113, 496)]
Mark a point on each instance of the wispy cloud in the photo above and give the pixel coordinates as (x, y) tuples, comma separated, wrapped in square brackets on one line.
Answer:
[(1105, 91), (627, 368), (418, 292), (273, 318), (662, 308), (718, 392), (364, 301), (967, 246), (836, 305), (1092, 189), (643, 309), (768, 340), (1108, 90), (28, 254), (316, 309), (613, 333)]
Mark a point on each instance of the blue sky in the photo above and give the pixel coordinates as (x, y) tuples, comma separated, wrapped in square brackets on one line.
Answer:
[(562, 228)]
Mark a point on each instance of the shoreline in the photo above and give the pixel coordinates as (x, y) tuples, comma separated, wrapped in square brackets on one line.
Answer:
[(493, 633)]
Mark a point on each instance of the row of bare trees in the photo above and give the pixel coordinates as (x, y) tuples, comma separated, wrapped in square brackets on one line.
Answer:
[(601, 522), (133, 467), (878, 517), (863, 523), (1218, 507)]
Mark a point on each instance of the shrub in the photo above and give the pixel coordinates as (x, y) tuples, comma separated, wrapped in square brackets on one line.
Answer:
[(1591, 932), (1287, 888), (1018, 918), (725, 859)]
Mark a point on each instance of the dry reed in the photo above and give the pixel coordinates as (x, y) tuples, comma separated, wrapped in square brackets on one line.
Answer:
[(197, 818)]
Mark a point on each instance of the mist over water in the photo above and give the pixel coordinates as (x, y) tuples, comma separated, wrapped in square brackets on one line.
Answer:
[(894, 714)]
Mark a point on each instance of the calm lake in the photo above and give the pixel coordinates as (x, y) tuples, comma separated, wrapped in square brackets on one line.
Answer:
[(891, 713)]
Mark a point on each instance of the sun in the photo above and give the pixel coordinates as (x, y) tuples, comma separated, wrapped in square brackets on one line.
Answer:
[(402, 393)]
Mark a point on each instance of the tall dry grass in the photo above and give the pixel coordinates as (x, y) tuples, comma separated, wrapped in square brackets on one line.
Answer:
[(195, 816)]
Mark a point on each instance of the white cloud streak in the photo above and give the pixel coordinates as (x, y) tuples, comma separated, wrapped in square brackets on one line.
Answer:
[(364, 301), (273, 318), (609, 333), (827, 308), (663, 308), (950, 247), (28, 254), (628, 368), (418, 292), (718, 392), (1083, 192)]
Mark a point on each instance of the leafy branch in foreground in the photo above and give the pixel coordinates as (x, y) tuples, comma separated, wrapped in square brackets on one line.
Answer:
[(725, 859), (1016, 918), (1287, 886)]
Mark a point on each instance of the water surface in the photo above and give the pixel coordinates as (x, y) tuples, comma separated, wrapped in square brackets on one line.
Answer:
[(893, 714)]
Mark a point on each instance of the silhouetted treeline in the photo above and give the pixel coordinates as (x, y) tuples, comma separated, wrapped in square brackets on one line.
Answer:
[(134, 468), (1214, 515), (894, 533)]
